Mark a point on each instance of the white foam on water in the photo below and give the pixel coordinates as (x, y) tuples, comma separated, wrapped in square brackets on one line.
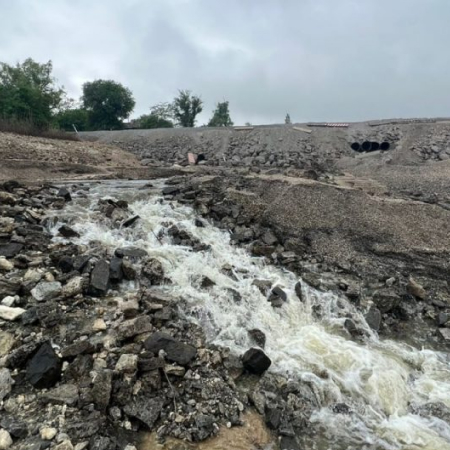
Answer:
[(378, 379)]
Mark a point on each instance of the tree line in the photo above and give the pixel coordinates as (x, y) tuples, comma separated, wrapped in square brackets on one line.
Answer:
[(29, 92)]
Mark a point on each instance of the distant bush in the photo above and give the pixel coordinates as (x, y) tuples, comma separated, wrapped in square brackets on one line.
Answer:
[(28, 128), (148, 121), (67, 118)]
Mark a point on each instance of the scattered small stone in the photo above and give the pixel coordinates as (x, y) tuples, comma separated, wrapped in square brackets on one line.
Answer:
[(46, 290), (44, 368), (127, 363), (258, 336), (68, 232), (73, 287), (415, 289), (9, 300), (47, 434), (99, 325), (5, 440), (5, 265), (6, 383), (373, 318), (10, 314)]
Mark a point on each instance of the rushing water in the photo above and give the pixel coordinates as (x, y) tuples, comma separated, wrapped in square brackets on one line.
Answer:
[(378, 379)]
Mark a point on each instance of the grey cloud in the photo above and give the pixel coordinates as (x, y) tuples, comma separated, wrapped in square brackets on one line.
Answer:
[(316, 59)]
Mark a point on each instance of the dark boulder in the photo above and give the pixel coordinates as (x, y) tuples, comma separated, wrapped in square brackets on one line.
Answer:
[(67, 232), (101, 391), (273, 418), (298, 290), (10, 185), (170, 190), (176, 351), (256, 361), (129, 222), (44, 368), (99, 282), (258, 336), (130, 252), (66, 264), (80, 262), (277, 297), (289, 443), (10, 250), (115, 269), (153, 271), (65, 194)]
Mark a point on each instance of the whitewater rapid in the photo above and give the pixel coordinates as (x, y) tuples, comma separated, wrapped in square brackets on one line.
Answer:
[(378, 379)]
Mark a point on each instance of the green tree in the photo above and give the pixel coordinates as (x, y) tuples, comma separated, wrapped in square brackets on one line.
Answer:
[(163, 110), (108, 103), (65, 119), (221, 116), (287, 120), (147, 121), (29, 92), (186, 107)]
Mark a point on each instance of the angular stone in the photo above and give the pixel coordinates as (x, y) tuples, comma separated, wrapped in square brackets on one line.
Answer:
[(269, 238), (99, 283), (6, 383), (115, 269), (127, 363), (9, 286), (49, 314), (5, 265), (258, 336), (99, 325), (44, 368), (146, 410), (153, 271), (133, 327), (79, 262), (66, 394), (298, 290), (68, 232), (289, 443), (73, 287), (129, 222), (170, 190), (10, 314), (5, 440), (444, 333), (8, 301), (47, 433), (273, 418), (130, 252), (66, 264), (256, 361), (277, 297), (415, 289), (176, 351), (6, 342), (101, 390), (65, 194), (46, 290)]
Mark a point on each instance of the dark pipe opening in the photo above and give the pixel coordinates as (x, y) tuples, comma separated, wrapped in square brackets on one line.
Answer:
[(355, 146), (200, 157), (385, 146), (375, 146), (366, 146)]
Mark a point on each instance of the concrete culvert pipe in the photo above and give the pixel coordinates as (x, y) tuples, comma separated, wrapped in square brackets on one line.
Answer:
[(375, 146), (366, 146), (385, 146), (355, 146)]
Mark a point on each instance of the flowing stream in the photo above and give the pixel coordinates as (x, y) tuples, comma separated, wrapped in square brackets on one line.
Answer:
[(378, 379)]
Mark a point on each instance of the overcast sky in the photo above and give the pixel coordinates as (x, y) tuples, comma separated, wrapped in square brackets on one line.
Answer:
[(342, 60)]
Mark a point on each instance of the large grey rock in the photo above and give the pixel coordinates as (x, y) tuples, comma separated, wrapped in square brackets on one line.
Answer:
[(176, 351), (66, 394), (146, 410), (99, 282), (46, 290), (373, 318), (101, 391), (133, 327), (10, 250)]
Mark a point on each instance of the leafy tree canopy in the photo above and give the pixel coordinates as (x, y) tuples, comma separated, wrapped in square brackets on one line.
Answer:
[(108, 103), (147, 121), (28, 92), (186, 107), (221, 116), (65, 119)]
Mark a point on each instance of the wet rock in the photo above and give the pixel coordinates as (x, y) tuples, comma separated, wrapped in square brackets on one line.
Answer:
[(351, 327), (66, 394), (199, 223), (256, 361), (99, 325), (273, 418), (146, 410), (298, 290), (115, 269), (5, 440), (262, 285), (10, 250), (386, 301), (46, 290), (237, 297), (269, 238), (7, 199), (101, 391), (9, 300), (131, 221), (65, 194), (11, 185), (99, 282), (127, 363), (153, 271), (373, 318), (129, 271), (442, 319), (130, 252), (10, 314), (170, 190), (44, 368), (415, 289), (67, 232), (258, 336), (444, 333), (64, 445), (207, 282), (277, 297), (80, 262), (6, 383), (73, 287), (176, 351), (49, 314)]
